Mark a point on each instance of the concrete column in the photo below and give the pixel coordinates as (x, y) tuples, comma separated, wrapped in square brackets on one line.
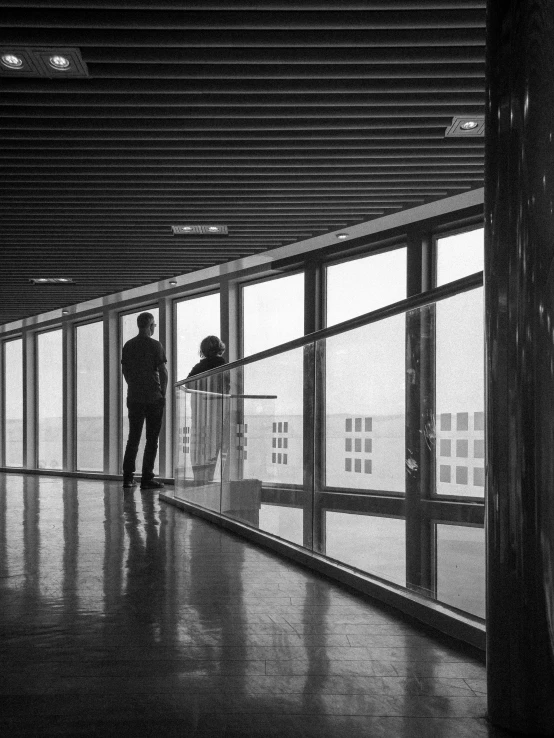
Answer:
[(519, 289)]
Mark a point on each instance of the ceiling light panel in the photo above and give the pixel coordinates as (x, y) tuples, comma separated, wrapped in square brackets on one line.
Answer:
[(41, 62), (200, 230), (51, 280)]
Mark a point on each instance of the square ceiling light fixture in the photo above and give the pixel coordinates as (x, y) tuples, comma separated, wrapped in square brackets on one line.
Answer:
[(466, 126), (39, 62), (200, 230)]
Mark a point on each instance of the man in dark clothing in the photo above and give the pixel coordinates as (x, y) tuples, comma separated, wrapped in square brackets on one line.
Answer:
[(143, 361)]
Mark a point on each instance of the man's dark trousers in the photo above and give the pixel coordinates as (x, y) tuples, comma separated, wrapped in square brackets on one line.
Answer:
[(139, 412)]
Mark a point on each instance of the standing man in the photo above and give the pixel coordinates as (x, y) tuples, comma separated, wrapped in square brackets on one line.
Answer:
[(143, 361)]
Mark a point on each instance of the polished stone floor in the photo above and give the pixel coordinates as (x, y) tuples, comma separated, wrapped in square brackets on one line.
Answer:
[(121, 615)]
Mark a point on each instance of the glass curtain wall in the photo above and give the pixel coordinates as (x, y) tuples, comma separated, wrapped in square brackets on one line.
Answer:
[(382, 392), (89, 343), (50, 400), (129, 330), (13, 402)]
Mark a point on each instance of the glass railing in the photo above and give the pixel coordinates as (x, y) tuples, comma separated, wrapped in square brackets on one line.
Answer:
[(363, 442)]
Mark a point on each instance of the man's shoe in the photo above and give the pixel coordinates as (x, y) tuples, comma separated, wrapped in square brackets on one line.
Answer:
[(129, 483), (152, 484)]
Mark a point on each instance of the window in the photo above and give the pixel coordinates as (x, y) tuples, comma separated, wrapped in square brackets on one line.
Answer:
[(13, 402), (460, 393), (195, 318), (273, 312), (460, 255), (50, 400), (361, 285), (89, 342)]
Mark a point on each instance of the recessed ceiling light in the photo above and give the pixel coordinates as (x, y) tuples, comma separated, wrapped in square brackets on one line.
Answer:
[(342, 236), (12, 61), (59, 62), (65, 312), (172, 282), (466, 126)]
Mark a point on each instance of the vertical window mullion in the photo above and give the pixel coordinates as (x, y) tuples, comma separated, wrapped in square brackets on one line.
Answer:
[(420, 380)]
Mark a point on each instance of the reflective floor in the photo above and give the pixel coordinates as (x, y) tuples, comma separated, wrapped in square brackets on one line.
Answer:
[(121, 615)]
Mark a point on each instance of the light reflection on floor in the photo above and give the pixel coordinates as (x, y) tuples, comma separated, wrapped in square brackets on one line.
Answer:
[(121, 615)]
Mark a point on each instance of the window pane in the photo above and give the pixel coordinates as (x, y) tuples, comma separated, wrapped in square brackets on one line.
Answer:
[(365, 407), (460, 395), (50, 400), (129, 329), (90, 397), (273, 313), (362, 285), (196, 318), (13, 429), (285, 522), (373, 544), (461, 568), (460, 255)]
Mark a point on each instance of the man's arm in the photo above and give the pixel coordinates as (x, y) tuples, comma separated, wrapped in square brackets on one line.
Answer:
[(162, 371)]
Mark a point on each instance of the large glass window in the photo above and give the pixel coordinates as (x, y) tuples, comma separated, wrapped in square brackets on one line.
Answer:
[(373, 544), (13, 402), (460, 396), (459, 255), (90, 396), (50, 400), (196, 318), (365, 407), (129, 329), (273, 313), (361, 285)]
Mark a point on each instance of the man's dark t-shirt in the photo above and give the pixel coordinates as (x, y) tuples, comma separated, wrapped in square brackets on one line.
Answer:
[(141, 357)]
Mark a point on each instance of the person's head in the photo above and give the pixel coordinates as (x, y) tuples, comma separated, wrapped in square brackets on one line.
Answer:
[(211, 346), (146, 324)]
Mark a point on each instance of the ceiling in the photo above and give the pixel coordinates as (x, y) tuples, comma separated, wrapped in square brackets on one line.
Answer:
[(282, 120)]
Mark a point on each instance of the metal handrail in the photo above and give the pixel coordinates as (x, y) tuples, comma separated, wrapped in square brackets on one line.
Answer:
[(396, 308)]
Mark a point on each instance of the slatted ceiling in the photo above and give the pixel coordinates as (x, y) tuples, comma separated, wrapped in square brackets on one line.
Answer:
[(282, 120)]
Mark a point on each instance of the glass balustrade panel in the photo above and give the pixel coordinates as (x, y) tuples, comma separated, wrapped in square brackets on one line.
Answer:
[(202, 410), (264, 473)]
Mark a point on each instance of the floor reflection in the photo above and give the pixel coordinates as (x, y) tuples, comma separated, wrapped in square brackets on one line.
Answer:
[(121, 614)]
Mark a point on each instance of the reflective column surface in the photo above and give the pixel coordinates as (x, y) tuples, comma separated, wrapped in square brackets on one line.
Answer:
[(123, 616), (519, 285)]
